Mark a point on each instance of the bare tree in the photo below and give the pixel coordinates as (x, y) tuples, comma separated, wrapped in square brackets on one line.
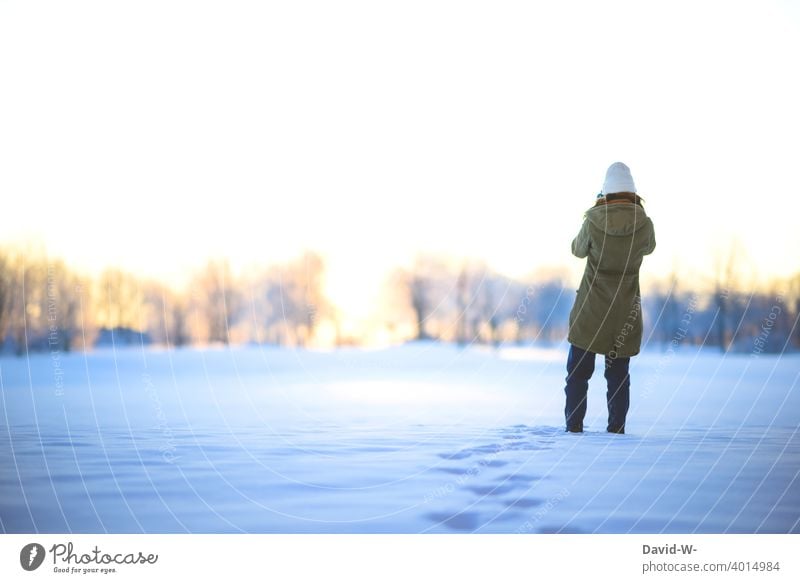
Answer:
[(463, 300), (119, 300), (419, 289), (796, 324), (725, 279), (6, 293), (428, 285), (480, 293), (63, 305), (27, 318), (302, 299), (164, 316), (216, 300)]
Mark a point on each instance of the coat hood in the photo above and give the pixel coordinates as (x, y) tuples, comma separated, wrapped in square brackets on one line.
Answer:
[(618, 219)]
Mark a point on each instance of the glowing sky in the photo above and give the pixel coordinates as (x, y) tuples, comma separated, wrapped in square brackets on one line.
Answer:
[(154, 134)]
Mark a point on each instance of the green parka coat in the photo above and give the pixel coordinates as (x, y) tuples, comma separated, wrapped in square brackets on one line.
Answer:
[(607, 315)]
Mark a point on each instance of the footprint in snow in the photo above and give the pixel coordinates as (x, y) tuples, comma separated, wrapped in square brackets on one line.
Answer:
[(462, 521)]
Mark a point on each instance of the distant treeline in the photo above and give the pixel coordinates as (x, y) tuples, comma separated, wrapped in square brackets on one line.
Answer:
[(475, 304), (47, 306)]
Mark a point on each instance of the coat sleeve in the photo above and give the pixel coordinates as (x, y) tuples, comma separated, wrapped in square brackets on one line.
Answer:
[(652, 244), (580, 244)]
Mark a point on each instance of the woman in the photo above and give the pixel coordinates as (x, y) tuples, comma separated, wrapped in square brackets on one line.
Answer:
[(607, 315)]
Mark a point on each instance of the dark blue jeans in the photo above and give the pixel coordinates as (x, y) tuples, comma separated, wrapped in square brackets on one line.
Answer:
[(580, 366)]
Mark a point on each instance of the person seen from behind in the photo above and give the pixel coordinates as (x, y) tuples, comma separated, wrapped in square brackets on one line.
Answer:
[(606, 317)]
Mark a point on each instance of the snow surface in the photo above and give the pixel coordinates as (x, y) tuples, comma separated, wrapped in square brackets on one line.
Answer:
[(417, 438)]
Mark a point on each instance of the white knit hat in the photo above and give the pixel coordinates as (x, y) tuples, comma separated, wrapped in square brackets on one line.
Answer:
[(618, 179)]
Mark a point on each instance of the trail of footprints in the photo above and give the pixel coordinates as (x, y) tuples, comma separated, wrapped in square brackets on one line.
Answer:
[(499, 494)]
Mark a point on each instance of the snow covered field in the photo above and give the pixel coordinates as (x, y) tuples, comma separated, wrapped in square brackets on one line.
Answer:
[(418, 438)]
